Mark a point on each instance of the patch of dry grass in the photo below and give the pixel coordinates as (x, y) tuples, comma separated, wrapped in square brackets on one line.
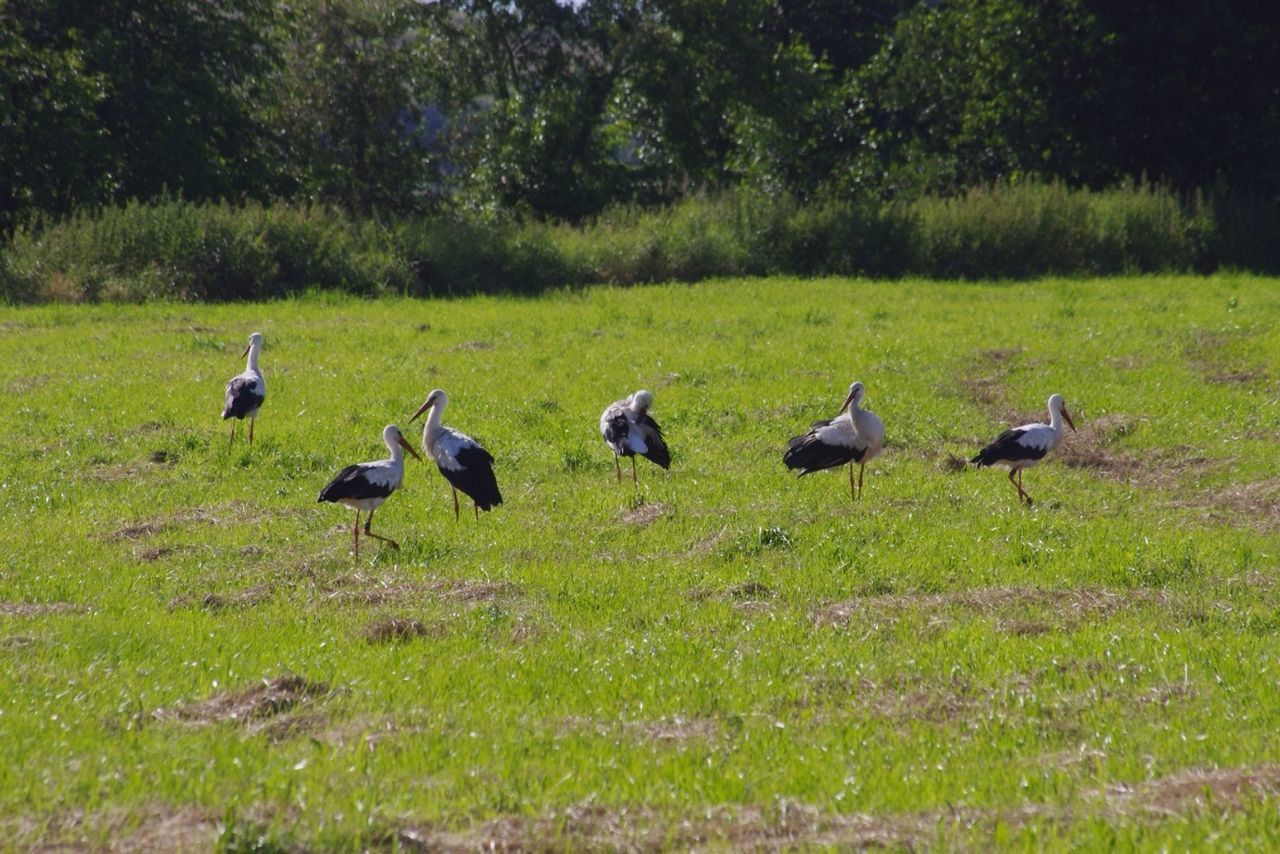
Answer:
[(247, 706)]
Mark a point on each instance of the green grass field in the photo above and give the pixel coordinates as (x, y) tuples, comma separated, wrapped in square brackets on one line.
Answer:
[(725, 655)]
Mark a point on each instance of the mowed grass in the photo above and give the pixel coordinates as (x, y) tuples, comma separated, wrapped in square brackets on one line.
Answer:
[(723, 655)]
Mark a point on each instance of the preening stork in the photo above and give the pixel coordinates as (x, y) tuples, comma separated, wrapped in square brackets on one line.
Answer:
[(246, 391), (853, 436), (1023, 447), (628, 430), (364, 486), (461, 460)]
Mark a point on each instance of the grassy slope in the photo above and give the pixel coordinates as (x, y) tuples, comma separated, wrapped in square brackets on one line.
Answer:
[(696, 661)]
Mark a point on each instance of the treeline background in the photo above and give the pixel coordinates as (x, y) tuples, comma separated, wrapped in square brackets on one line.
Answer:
[(141, 138)]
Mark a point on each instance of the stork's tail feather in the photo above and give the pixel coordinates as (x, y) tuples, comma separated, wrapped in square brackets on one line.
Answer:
[(807, 454), (983, 458)]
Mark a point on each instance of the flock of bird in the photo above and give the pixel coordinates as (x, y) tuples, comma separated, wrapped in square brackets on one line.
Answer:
[(855, 435)]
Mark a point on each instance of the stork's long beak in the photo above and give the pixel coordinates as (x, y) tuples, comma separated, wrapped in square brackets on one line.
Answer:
[(848, 400), (408, 447), (421, 409), (246, 351), (1067, 415)]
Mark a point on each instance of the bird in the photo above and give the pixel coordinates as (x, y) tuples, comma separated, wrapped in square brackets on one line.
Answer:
[(853, 436), (461, 459), (1025, 446), (628, 430), (364, 486), (246, 391)]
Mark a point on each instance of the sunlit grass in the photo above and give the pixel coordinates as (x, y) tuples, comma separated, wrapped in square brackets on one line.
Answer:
[(722, 640)]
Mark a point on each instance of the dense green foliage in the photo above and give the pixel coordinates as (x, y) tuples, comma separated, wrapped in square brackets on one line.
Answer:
[(722, 656), (186, 251), (562, 110)]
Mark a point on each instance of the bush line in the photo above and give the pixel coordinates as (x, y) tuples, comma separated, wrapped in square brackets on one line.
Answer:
[(178, 250)]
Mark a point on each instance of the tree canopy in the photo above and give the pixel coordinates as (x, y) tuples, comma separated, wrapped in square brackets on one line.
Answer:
[(394, 107)]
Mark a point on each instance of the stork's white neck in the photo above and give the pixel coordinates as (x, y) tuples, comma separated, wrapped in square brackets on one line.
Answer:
[(431, 429), (253, 357), (397, 453), (1055, 420)]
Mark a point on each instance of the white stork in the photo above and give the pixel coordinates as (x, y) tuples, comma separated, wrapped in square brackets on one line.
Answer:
[(364, 486), (853, 436), (461, 460), (1025, 446), (245, 392), (628, 430)]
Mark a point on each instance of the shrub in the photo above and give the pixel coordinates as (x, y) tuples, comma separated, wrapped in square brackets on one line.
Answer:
[(184, 251)]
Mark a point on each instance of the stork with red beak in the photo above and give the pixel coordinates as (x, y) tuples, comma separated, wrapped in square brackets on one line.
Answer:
[(463, 462), (364, 486), (1023, 447)]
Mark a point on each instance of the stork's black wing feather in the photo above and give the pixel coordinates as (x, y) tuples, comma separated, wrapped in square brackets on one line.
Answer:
[(656, 443), (475, 478), (1007, 448), (242, 398), (808, 453), (351, 483)]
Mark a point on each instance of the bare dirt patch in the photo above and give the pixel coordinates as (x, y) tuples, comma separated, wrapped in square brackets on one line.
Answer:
[(472, 346), (394, 630), (231, 511), (643, 515), (250, 706), (40, 609), (1256, 504), (1194, 790), (154, 827), (1002, 601), (217, 601)]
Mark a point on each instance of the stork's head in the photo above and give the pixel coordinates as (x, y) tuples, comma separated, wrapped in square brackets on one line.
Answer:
[(856, 393), (255, 343), (436, 398), (1058, 405), (392, 436), (642, 400)]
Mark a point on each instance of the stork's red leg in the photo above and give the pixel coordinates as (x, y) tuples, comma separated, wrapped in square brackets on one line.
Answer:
[(852, 495), (617, 466), (1016, 485), (455, 503), (369, 521), (862, 467), (1025, 497), (355, 531), (232, 438), (251, 420), (634, 478)]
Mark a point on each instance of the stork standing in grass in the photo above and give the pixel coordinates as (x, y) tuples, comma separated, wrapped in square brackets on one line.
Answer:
[(364, 486), (628, 430), (246, 391), (1023, 447), (853, 436), (461, 460)]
